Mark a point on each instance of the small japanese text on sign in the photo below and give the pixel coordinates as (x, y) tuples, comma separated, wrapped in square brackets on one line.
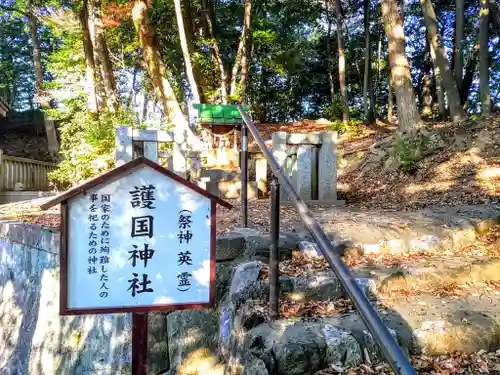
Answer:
[(99, 216)]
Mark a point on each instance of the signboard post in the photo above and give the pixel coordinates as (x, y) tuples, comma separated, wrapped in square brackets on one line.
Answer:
[(137, 239)]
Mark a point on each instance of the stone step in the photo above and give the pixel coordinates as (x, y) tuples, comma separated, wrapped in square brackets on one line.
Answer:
[(426, 325), (430, 230), (434, 302), (463, 316), (428, 276), (430, 272), (381, 273), (435, 325), (321, 328)]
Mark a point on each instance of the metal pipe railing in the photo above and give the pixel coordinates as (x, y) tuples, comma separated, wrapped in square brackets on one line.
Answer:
[(387, 344)]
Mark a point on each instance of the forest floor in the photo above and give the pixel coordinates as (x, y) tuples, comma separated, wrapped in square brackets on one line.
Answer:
[(461, 166)]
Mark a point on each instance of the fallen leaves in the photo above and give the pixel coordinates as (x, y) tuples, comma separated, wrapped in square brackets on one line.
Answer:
[(481, 363), (460, 172), (301, 264), (258, 216), (486, 245), (314, 309)]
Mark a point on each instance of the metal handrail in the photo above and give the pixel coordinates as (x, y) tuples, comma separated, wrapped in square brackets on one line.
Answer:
[(387, 344)]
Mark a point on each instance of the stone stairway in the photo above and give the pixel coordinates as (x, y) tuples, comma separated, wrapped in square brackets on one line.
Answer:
[(435, 299)]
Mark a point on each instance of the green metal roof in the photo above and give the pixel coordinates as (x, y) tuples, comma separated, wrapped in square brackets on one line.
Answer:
[(219, 113)]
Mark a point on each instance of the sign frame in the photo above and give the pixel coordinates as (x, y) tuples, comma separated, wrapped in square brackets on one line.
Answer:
[(65, 249)]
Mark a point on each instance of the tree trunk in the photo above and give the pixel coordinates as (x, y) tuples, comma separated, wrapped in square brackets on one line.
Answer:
[(145, 103), (102, 55), (470, 69), (408, 116), (190, 28), (188, 21), (427, 87), (185, 52), (13, 91), (448, 79), (438, 84), (340, 42), (377, 92), (494, 14), (50, 128), (368, 109), (247, 14), (215, 50), (402, 12), (155, 66), (390, 87), (244, 73), (329, 52), (371, 91), (390, 99), (210, 8), (131, 98), (98, 79), (89, 60), (158, 76), (484, 88), (426, 96), (458, 57), (37, 61)]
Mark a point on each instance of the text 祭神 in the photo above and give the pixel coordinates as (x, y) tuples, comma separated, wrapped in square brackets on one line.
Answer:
[(140, 254), (184, 258)]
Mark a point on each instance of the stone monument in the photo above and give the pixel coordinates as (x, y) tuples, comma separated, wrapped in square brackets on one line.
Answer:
[(310, 162)]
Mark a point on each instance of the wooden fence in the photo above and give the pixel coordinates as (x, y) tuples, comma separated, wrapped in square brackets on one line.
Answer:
[(24, 174)]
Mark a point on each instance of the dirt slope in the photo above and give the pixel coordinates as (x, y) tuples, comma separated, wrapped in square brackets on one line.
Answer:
[(460, 166)]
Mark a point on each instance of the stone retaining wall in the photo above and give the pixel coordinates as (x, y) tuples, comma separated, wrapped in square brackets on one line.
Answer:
[(35, 339)]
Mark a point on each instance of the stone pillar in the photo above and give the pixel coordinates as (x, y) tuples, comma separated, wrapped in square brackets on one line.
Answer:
[(179, 153), (327, 168), (123, 140), (279, 147), (195, 165), (290, 169), (304, 171), (50, 130), (151, 151), (279, 152), (261, 175)]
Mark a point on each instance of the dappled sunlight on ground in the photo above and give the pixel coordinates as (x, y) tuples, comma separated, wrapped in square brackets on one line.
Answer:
[(461, 165), (200, 362)]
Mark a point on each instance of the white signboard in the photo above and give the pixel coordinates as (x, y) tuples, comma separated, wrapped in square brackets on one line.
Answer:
[(136, 242)]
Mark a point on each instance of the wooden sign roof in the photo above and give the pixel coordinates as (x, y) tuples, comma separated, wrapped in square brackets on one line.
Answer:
[(123, 169)]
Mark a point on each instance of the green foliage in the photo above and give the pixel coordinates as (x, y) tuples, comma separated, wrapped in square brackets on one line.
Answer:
[(353, 127), (16, 67), (87, 143), (335, 109), (408, 151), (292, 57)]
